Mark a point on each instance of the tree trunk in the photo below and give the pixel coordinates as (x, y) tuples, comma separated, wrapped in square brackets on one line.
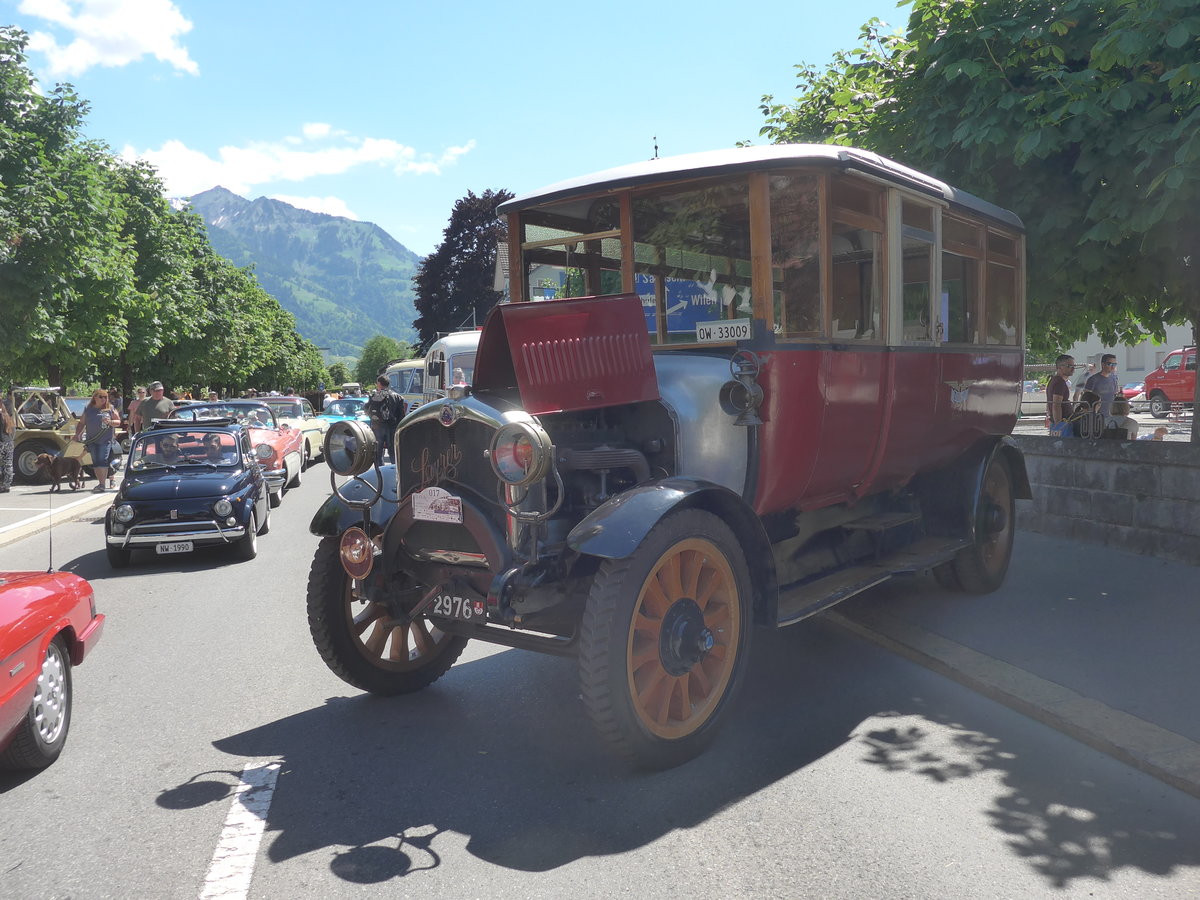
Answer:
[(54, 375)]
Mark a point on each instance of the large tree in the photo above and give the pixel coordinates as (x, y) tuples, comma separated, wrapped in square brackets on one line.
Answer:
[(454, 284), (377, 353), (1082, 116)]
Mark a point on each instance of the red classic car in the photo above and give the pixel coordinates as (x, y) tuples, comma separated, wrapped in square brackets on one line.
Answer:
[(48, 623), (278, 446)]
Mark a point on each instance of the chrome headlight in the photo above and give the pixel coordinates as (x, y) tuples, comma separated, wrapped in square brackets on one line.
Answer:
[(123, 513), (264, 452), (222, 507), (350, 447), (521, 453)]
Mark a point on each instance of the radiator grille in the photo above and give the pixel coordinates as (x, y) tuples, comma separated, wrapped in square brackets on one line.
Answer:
[(433, 455)]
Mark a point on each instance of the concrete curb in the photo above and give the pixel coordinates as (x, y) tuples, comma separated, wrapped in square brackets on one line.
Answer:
[(42, 520), (1162, 754)]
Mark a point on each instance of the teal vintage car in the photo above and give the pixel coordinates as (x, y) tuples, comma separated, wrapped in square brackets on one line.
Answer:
[(346, 408)]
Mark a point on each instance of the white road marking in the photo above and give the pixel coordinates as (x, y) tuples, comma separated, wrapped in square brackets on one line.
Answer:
[(232, 865), (49, 512)]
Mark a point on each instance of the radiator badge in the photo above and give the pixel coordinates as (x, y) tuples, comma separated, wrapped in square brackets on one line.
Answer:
[(449, 414)]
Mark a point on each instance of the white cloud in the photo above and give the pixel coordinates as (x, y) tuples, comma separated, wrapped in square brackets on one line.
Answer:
[(109, 33), (314, 130), (186, 171), (334, 206)]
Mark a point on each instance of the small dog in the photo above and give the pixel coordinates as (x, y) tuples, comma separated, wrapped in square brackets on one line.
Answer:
[(61, 467)]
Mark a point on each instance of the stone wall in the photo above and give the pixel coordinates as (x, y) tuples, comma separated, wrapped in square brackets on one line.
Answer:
[(1141, 496)]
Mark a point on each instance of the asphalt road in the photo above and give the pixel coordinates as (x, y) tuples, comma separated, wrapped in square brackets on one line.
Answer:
[(846, 772)]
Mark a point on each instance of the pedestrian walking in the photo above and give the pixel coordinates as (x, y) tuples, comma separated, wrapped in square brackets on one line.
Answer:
[(384, 409), (156, 407), (1104, 383), (8, 429)]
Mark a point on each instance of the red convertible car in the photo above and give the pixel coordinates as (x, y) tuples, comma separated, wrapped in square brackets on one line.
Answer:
[(278, 446), (48, 623)]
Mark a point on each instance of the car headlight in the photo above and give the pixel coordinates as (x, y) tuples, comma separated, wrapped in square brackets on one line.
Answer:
[(123, 513), (521, 453), (349, 447), (264, 452), (222, 507)]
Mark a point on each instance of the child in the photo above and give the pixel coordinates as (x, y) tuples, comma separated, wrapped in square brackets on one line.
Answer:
[(1159, 433)]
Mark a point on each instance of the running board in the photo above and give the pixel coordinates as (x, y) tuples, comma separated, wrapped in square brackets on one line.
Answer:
[(800, 601)]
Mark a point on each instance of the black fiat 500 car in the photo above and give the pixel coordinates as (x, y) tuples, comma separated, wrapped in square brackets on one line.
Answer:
[(189, 485)]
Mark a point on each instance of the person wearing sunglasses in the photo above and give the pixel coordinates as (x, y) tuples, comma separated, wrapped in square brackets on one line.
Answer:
[(1104, 383)]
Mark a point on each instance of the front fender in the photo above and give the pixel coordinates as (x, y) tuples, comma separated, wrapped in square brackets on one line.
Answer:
[(335, 515), (614, 530)]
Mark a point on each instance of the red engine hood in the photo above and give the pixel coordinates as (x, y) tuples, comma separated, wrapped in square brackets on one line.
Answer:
[(564, 355)]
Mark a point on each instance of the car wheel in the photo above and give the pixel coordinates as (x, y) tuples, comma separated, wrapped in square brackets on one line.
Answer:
[(266, 522), (665, 638), (118, 557), (946, 577), (307, 455), (275, 498), (42, 734), (246, 547), (1159, 405), (982, 566), (362, 642), (298, 475), (25, 469)]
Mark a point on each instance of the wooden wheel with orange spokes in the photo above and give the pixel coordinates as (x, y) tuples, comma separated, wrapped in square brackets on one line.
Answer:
[(664, 639), (363, 643)]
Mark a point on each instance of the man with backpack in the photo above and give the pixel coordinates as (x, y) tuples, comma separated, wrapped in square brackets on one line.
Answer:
[(385, 408)]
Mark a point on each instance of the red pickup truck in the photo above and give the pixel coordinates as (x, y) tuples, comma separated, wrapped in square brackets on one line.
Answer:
[(1172, 382)]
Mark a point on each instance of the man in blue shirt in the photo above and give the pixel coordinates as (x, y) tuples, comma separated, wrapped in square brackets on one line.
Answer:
[(1104, 383)]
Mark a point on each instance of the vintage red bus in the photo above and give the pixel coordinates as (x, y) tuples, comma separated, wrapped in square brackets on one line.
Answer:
[(731, 389)]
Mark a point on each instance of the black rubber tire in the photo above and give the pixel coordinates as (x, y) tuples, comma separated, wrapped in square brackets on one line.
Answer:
[(246, 547), (690, 563), (391, 659), (274, 499), (266, 524), (25, 470), (304, 457), (1159, 405), (31, 746), (981, 568), (118, 557)]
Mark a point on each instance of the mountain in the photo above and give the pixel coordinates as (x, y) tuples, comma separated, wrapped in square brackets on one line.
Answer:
[(344, 281)]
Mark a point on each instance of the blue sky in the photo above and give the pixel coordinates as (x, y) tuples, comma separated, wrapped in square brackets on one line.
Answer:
[(390, 111)]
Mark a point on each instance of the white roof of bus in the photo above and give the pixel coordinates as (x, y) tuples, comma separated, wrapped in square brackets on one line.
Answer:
[(456, 342), (770, 157)]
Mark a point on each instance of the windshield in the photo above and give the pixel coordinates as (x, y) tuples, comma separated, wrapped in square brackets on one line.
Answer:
[(290, 408), (346, 407), (184, 447), (462, 368), (252, 415)]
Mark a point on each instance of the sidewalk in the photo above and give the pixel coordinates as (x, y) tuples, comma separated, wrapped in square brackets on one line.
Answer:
[(1097, 643), (30, 508)]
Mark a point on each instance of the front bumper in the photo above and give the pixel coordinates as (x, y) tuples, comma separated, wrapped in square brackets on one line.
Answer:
[(200, 533), (276, 479)]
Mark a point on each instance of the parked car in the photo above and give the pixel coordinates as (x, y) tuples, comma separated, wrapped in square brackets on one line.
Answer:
[(716, 402), (345, 409), (1133, 390), (1174, 382), (189, 485), (298, 413), (48, 624), (45, 424), (279, 448)]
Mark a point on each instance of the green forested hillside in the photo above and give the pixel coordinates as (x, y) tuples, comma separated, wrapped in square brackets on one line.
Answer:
[(344, 281)]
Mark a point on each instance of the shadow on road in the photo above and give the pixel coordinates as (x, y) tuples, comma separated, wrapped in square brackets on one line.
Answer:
[(501, 751)]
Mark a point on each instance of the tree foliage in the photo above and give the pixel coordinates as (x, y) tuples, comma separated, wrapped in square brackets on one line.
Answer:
[(103, 280), (377, 353), (454, 283), (1081, 116)]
